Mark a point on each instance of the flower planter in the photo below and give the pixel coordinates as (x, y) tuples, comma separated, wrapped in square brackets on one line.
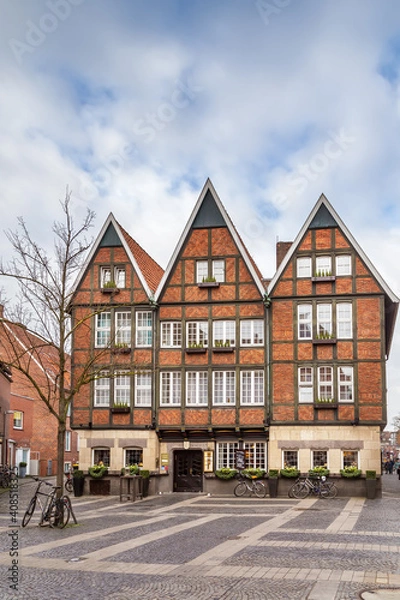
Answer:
[(371, 485), (223, 349), (78, 485), (110, 290), (208, 284), (324, 278), (317, 341), (121, 350), (273, 487), (120, 409), (325, 404), (196, 350)]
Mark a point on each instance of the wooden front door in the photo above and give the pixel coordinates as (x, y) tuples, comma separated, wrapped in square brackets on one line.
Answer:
[(188, 471)]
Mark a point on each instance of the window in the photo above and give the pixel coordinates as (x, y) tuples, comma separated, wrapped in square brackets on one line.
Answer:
[(123, 328), (109, 275), (226, 454), (101, 455), (67, 441), (290, 458), (196, 388), (170, 388), (143, 389), (171, 335), (343, 264), (304, 267), (325, 383), (224, 387), (344, 320), (67, 467), (252, 387), (144, 328), (306, 393), (345, 384), (197, 334), (252, 333), (18, 419), (324, 320), (102, 389), (133, 456), (223, 333), (103, 329), (217, 270), (323, 266), (255, 455), (304, 319), (350, 458), (319, 458), (122, 388)]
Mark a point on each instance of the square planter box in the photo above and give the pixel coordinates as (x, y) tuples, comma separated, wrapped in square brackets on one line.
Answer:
[(196, 350), (325, 404), (223, 349), (208, 284), (120, 409)]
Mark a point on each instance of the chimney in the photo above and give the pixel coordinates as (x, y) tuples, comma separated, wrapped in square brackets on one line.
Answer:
[(282, 249)]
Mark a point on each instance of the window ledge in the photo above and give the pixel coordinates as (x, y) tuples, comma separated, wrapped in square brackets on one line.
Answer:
[(324, 278), (208, 284), (317, 341), (223, 349), (196, 350)]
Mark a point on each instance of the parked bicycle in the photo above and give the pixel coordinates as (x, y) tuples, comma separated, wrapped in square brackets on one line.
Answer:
[(69, 485), (6, 474), (55, 512), (250, 485), (318, 486)]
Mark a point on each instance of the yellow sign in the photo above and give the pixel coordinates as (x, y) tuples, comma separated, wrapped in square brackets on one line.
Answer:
[(208, 461)]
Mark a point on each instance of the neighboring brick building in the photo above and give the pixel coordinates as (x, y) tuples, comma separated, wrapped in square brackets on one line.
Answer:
[(31, 429), (292, 372)]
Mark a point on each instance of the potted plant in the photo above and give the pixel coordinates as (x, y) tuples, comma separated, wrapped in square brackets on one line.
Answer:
[(134, 470), (98, 471), (78, 482), (254, 473), (370, 483), (273, 479), (225, 473), (290, 472), (319, 472), (22, 469), (351, 471), (145, 475)]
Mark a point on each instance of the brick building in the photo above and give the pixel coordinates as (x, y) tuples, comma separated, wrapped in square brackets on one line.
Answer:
[(31, 430), (208, 357)]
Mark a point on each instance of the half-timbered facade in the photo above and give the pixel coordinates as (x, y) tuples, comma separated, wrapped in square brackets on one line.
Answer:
[(206, 358)]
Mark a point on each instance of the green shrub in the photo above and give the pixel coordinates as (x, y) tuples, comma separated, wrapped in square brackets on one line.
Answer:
[(290, 472), (350, 472), (225, 473), (254, 473), (370, 474)]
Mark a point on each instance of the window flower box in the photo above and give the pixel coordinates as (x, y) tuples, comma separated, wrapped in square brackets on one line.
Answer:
[(208, 284), (121, 350), (196, 350), (110, 290), (326, 404), (324, 278), (317, 341), (223, 349), (120, 409)]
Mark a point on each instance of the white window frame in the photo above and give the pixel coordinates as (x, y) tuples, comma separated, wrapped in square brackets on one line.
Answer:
[(252, 387), (304, 321), (345, 375), (123, 327), (138, 450), (218, 270), (101, 454), (306, 384), (343, 264), (255, 455), (122, 387), (120, 277), (348, 457), (171, 334), (18, 419), (105, 276), (303, 265), (144, 328), (170, 388), (252, 332), (102, 390), (197, 333), (324, 319), (67, 446), (143, 389), (325, 383), (290, 458), (317, 458), (226, 455), (344, 321), (196, 388), (224, 388), (201, 270), (224, 332), (102, 329), (323, 266)]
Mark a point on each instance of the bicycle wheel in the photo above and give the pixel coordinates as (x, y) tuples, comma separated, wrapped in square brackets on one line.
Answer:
[(259, 489), (330, 490), (240, 489), (29, 512), (65, 507), (300, 491), (69, 486)]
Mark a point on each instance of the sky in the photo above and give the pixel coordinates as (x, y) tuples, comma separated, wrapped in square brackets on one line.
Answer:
[(132, 104)]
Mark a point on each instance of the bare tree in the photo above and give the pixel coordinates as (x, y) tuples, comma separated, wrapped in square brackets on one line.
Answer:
[(42, 336)]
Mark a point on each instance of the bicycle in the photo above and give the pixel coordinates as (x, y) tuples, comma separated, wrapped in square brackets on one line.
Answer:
[(248, 484), (319, 487), (69, 485), (54, 511), (6, 475)]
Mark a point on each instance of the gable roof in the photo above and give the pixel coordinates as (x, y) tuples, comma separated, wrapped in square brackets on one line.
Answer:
[(324, 215), (112, 234), (210, 212)]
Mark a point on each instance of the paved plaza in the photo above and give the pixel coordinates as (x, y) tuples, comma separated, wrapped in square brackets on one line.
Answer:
[(199, 547)]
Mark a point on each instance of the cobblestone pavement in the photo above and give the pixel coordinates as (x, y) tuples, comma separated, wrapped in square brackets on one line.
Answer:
[(198, 547)]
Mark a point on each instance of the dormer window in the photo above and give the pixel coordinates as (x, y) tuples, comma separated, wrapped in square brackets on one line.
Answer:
[(210, 272), (304, 266), (323, 266), (343, 264), (112, 277)]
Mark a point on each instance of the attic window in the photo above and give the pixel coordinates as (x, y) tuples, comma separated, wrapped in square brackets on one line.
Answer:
[(210, 272), (343, 264), (304, 266), (112, 277)]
